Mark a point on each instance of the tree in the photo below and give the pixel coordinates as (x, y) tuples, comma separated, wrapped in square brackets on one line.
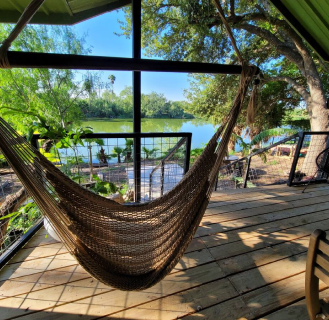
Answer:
[(261, 137), (149, 152), (191, 30), (29, 95), (117, 152)]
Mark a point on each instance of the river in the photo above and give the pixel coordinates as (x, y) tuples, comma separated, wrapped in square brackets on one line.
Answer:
[(201, 130)]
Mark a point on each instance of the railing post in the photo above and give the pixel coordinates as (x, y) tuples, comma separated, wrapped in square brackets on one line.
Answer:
[(245, 178), (136, 39), (162, 178), (187, 153), (35, 142), (296, 156)]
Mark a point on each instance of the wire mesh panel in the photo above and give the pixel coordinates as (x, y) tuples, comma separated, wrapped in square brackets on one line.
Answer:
[(306, 167), (102, 164), (169, 170), (106, 165), (272, 166), (17, 212), (267, 166), (231, 176)]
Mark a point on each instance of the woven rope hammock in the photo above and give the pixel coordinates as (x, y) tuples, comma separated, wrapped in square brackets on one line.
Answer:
[(130, 247)]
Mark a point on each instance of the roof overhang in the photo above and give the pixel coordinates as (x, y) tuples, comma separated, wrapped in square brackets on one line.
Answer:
[(59, 12), (310, 19)]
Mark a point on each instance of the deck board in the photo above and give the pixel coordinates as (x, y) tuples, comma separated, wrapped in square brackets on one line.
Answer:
[(246, 261)]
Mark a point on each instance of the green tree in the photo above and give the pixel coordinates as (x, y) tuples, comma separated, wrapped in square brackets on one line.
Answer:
[(191, 30), (149, 152), (262, 137), (29, 95), (117, 152)]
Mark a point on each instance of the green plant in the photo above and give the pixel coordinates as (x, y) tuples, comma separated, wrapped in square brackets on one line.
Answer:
[(127, 152), (117, 152), (257, 141), (123, 190), (239, 182), (195, 154), (24, 218), (3, 161), (149, 152), (102, 156), (103, 188)]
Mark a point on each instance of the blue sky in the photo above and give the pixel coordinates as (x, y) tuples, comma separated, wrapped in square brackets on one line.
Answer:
[(103, 42)]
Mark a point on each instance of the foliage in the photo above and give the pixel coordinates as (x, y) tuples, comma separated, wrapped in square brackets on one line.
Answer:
[(99, 156), (149, 152), (24, 218), (127, 152), (297, 118), (110, 105), (3, 161), (263, 136), (45, 96), (191, 30), (195, 154), (117, 152), (103, 188)]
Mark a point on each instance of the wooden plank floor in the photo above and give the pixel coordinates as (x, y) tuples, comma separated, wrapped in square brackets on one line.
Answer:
[(247, 261)]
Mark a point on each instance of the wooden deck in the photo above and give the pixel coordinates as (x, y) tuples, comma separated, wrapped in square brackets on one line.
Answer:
[(247, 261)]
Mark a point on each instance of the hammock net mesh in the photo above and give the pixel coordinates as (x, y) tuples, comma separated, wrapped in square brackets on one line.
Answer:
[(129, 247)]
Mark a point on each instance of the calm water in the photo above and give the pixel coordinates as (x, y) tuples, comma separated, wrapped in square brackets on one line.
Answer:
[(201, 130)]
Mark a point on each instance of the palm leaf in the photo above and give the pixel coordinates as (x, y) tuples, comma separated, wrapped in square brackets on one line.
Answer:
[(275, 132)]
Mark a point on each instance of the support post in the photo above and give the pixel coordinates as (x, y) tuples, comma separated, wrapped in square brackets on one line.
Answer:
[(187, 153), (162, 178), (301, 136), (137, 39), (245, 178)]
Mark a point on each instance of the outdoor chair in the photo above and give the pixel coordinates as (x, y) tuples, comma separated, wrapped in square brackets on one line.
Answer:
[(317, 267), (322, 162)]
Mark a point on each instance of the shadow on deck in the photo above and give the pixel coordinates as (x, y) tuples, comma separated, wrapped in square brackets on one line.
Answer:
[(247, 261)]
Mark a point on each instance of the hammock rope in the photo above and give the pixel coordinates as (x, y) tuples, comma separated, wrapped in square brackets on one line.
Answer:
[(24, 19), (130, 247)]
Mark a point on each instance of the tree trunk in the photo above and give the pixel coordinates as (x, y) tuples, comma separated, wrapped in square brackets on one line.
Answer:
[(319, 118), (231, 145)]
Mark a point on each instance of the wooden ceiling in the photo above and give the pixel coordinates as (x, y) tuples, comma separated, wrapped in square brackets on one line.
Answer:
[(310, 18), (60, 12)]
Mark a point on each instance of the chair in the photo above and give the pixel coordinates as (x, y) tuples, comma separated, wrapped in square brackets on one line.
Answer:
[(317, 267), (322, 162)]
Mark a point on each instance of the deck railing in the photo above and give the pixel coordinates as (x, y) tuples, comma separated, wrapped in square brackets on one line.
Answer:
[(113, 160), (289, 161), (104, 164)]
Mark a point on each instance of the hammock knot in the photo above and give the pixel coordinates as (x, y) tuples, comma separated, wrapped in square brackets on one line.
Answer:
[(4, 62)]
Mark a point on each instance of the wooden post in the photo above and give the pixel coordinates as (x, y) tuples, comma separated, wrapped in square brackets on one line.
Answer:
[(311, 281), (296, 157), (245, 178)]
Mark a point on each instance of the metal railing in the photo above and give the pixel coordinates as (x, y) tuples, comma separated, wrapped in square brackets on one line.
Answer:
[(104, 164), (114, 159), (290, 161), (170, 171)]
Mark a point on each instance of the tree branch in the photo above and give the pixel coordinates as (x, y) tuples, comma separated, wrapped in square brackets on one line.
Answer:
[(300, 89), (280, 46)]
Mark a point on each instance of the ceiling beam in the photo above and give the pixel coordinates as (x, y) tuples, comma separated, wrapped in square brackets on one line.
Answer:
[(78, 62), (63, 18), (68, 8), (300, 29), (16, 6)]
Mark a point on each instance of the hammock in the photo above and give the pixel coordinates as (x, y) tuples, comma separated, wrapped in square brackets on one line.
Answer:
[(129, 247)]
